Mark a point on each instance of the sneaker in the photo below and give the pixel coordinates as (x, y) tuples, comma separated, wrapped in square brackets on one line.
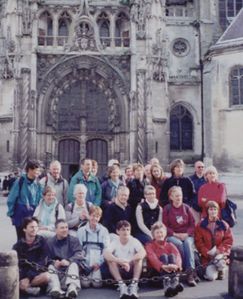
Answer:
[(34, 291), (55, 294), (221, 275), (169, 292), (133, 290), (190, 279), (176, 285), (72, 291), (123, 290)]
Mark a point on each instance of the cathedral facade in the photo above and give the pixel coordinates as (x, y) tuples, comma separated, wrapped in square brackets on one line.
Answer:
[(120, 79)]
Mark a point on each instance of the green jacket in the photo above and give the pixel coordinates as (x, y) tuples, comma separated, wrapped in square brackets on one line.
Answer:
[(93, 185)]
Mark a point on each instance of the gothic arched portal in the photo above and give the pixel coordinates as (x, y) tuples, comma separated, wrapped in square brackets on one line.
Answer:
[(83, 98)]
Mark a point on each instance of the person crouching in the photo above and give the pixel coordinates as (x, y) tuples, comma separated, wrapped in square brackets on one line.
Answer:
[(164, 259), (213, 240)]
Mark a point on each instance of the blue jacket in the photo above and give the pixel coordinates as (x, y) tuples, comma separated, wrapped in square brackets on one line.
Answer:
[(23, 198), (109, 192), (93, 185), (197, 182)]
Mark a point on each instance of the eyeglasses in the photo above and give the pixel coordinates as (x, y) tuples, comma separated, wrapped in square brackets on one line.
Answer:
[(200, 166)]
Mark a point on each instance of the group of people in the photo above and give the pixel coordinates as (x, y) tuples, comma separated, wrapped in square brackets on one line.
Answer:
[(97, 228)]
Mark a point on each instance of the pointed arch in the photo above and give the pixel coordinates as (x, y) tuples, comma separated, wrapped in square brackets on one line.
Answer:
[(64, 22), (103, 23), (122, 30), (45, 29), (181, 128)]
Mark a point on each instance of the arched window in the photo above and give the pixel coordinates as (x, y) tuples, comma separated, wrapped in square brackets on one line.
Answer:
[(45, 29), (63, 28), (228, 9), (122, 30), (181, 129), (104, 29), (236, 86)]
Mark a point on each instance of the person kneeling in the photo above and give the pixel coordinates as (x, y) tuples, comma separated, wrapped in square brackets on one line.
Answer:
[(213, 239), (125, 257), (163, 259)]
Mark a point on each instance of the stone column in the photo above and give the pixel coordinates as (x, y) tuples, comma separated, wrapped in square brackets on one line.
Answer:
[(112, 30), (133, 94), (24, 113), (9, 275), (16, 123), (235, 283), (141, 117)]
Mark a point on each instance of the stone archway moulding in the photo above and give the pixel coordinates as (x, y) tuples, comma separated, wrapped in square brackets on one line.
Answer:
[(84, 67)]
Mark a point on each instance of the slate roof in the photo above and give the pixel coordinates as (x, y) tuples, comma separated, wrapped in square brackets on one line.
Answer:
[(234, 31)]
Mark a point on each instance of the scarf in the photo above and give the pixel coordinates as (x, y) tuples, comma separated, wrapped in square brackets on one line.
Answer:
[(46, 213)]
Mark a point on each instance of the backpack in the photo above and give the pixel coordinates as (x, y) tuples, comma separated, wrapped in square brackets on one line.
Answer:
[(228, 213)]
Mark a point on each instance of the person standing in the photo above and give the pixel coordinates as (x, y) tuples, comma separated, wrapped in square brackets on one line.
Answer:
[(198, 180), (85, 176), (110, 186), (54, 179), (212, 190), (25, 195), (177, 178), (31, 248)]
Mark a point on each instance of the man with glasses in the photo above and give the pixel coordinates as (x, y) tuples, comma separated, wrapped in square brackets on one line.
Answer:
[(198, 180)]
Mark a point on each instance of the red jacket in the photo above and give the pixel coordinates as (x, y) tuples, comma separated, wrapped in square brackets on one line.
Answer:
[(178, 220), (211, 191), (205, 240), (155, 249)]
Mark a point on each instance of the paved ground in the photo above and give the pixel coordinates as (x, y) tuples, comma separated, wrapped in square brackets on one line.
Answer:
[(209, 290)]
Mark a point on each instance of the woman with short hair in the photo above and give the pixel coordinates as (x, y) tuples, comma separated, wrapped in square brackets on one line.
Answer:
[(180, 223), (94, 238), (212, 190), (48, 212), (77, 212), (177, 178), (164, 258), (110, 186), (147, 213), (213, 240)]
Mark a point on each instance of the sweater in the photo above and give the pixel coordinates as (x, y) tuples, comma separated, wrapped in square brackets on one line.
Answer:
[(178, 220)]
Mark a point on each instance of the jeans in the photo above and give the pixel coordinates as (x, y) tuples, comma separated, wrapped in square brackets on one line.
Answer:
[(168, 259), (186, 249), (142, 237)]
